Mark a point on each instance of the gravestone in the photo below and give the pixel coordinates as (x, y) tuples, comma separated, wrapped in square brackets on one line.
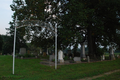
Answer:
[(117, 56), (77, 59), (60, 56), (88, 59), (40, 51), (82, 55), (102, 57), (112, 56), (22, 51), (51, 57)]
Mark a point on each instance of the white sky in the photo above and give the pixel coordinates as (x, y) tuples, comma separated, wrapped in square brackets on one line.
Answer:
[(5, 15)]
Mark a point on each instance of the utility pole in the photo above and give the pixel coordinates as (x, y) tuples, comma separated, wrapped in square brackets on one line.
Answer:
[(14, 47)]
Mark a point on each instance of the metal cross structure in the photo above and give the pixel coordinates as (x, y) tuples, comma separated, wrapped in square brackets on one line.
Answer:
[(41, 24)]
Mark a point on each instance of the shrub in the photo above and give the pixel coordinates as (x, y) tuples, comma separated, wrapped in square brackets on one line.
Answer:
[(25, 55), (99, 52), (28, 55), (53, 60), (66, 58), (77, 54)]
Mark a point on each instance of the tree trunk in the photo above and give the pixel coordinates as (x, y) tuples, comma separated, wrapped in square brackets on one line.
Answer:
[(91, 43)]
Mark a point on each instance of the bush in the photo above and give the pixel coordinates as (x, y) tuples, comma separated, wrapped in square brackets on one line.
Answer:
[(53, 60), (45, 57), (25, 55), (99, 52), (66, 58), (77, 54), (29, 55)]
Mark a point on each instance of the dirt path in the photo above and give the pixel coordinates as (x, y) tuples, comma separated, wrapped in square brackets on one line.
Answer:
[(94, 77)]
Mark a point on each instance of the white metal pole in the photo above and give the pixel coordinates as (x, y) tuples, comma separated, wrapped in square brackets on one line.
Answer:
[(55, 46), (14, 49)]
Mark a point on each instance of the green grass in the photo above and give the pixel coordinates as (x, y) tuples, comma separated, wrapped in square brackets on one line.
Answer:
[(107, 55), (116, 53), (113, 76), (31, 69)]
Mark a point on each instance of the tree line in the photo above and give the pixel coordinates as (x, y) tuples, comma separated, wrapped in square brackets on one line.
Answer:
[(6, 44), (93, 21)]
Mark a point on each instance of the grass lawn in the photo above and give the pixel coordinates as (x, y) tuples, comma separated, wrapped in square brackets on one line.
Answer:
[(31, 69), (114, 76), (107, 54)]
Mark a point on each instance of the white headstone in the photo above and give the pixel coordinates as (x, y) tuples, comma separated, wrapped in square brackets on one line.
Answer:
[(111, 51), (112, 57), (22, 50), (103, 57), (83, 51), (60, 56), (40, 51), (77, 59)]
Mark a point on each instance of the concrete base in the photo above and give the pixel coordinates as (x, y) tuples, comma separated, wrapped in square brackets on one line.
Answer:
[(77, 61), (61, 61)]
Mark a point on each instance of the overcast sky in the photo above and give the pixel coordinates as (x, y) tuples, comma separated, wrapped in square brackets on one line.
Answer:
[(5, 15)]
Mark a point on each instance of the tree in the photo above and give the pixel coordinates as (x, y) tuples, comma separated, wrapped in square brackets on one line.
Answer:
[(72, 22), (20, 41), (38, 10), (1, 43), (101, 30), (7, 44), (78, 21), (31, 10), (93, 17), (20, 33)]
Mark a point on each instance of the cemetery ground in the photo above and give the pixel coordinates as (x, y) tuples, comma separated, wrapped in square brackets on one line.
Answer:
[(31, 69)]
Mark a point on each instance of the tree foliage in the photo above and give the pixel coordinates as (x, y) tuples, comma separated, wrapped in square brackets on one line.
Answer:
[(98, 19), (96, 22), (1, 43), (7, 47)]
